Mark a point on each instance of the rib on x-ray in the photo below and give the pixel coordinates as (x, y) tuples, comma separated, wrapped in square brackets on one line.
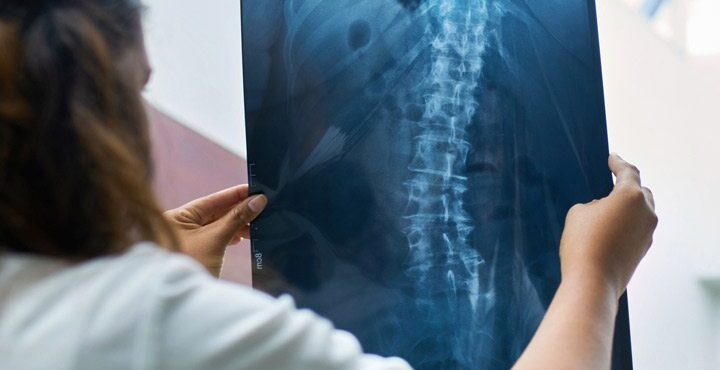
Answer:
[(420, 157)]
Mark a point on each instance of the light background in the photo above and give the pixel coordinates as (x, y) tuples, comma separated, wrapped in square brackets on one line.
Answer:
[(663, 109)]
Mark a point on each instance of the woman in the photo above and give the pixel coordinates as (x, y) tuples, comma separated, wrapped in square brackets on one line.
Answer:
[(92, 274)]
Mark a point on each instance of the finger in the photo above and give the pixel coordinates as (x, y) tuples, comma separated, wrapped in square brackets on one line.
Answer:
[(649, 197), (237, 220), (210, 208), (625, 173), (244, 233)]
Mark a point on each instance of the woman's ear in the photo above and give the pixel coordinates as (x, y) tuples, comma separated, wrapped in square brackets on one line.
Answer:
[(135, 65), (145, 66)]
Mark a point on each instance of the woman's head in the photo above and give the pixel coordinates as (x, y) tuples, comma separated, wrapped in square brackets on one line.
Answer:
[(74, 151)]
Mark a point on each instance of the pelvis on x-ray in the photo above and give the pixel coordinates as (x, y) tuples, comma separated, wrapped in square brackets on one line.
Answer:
[(420, 157)]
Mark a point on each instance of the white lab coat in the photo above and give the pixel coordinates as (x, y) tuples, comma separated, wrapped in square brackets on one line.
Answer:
[(150, 309)]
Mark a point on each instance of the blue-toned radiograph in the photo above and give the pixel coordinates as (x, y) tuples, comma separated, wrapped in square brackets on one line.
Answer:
[(420, 157)]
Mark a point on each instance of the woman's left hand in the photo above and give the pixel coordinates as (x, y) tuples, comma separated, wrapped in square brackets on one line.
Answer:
[(205, 227)]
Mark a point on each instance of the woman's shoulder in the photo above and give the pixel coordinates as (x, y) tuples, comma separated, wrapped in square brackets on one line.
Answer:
[(167, 279), (112, 281), (129, 300), (137, 284), (162, 310), (133, 285)]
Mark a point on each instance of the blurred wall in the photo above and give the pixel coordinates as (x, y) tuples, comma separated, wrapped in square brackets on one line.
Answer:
[(195, 49), (664, 114), (187, 164)]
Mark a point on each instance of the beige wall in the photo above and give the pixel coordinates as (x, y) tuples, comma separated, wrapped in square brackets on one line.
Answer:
[(195, 47), (664, 114)]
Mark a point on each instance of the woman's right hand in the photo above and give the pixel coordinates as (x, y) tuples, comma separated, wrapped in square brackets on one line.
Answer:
[(605, 240)]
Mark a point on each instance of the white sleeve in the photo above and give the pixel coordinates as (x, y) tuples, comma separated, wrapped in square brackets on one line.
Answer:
[(203, 323)]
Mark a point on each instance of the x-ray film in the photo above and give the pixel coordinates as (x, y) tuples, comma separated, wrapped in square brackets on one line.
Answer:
[(420, 157)]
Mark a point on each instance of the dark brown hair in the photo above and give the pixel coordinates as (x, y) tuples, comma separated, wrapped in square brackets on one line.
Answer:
[(74, 149)]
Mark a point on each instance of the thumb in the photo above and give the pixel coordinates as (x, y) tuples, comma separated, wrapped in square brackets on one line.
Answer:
[(240, 217)]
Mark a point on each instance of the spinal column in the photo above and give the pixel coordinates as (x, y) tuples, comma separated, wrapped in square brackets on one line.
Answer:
[(442, 260)]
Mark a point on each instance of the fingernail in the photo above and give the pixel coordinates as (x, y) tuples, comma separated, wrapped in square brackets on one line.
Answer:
[(616, 155), (258, 203)]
